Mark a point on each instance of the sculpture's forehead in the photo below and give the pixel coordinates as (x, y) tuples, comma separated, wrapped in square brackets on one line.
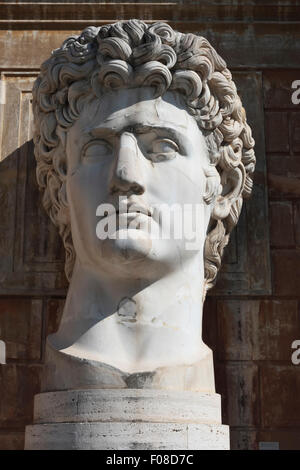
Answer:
[(138, 105)]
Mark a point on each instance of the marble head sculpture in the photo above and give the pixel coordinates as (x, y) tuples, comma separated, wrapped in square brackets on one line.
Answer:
[(152, 115)]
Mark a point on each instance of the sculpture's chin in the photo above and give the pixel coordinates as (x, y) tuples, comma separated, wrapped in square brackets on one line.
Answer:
[(129, 245)]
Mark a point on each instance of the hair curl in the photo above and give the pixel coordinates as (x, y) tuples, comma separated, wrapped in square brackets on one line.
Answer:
[(130, 54)]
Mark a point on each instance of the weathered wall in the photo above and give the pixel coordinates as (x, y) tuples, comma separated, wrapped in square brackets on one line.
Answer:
[(250, 326)]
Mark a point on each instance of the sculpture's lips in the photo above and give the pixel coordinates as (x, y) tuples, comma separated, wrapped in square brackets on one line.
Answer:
[(133, 208)]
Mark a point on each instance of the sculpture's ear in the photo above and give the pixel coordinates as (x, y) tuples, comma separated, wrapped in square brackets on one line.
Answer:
[(232, 181)]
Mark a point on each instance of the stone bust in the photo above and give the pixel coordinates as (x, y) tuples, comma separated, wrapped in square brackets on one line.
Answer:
[(148, 117)]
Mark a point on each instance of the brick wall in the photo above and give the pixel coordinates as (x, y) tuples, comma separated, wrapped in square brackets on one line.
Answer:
[(252, 341)]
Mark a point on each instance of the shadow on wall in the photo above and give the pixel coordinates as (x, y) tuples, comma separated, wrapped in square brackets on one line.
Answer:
[(31, 251), (31, 273)]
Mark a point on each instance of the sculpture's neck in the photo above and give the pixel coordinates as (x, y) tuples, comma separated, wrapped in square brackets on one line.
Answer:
[(133, 325)]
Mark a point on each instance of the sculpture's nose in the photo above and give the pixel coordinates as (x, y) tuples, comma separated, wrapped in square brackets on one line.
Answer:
[(127, 174)]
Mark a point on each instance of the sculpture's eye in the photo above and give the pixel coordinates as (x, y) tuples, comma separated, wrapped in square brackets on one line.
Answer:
[(163, 149), (95, 150)]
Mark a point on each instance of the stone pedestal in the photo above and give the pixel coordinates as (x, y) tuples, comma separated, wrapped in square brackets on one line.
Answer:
[(118, 419)]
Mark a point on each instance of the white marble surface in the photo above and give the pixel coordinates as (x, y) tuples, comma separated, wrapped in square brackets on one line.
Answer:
[(161, 278)]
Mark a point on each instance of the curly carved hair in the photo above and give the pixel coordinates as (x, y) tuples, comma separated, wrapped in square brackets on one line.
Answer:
[(130, 54)]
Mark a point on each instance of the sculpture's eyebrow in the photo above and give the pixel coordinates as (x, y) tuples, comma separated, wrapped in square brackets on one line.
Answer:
[(140, 128)]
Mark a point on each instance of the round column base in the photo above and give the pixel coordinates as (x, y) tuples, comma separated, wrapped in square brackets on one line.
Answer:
[(127, 419)]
